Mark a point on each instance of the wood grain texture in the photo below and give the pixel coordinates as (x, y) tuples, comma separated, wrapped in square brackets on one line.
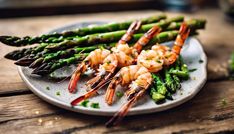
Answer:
[(205, 113)]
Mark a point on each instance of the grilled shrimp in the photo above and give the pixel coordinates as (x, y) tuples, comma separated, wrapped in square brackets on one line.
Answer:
[(94, 59), (151, 59), (139, 74), (139, 78), (124, 56), (171, 56)]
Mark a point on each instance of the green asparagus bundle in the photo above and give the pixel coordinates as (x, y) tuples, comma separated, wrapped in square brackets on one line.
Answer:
[(57, 37), (160, 38), (26, 61), (104, 37), (108, 37), (193, 23)]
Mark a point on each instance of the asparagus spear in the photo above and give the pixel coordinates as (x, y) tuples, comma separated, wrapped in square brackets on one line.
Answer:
[(47, 68), (183, 72), (159, 90), (192, 23), (157, 97), (56, 37), (17, 54), (169, 81), (108, 37)]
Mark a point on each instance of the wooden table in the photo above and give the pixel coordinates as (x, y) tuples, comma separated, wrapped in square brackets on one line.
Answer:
[(211, 111)]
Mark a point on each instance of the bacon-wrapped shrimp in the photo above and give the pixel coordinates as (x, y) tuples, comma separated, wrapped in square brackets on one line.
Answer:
[(138, 77), (97, 57), (122, 55)]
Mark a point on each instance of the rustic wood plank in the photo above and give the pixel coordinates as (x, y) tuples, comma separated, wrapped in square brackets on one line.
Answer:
[(10, 80), (206, 112), (24, 106)]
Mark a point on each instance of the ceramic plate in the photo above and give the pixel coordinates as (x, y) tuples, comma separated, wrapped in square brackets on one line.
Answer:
[(58, 94)]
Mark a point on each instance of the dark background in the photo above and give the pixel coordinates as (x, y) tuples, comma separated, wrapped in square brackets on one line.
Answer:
[(23, 8)]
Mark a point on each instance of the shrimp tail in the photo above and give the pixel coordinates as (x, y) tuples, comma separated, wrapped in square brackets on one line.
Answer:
[(146, 38), (94, 81), (179, 42), (76, 76), (92, 91), (184, 31), (180, 39), (111, 90), (98, 79), (124, 110), (131, 30)]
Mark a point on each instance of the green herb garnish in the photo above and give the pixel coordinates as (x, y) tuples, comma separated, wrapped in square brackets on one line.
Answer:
[(84, 103), (58, 93), (158, 61), (192, 70), (52, 74), (224, 102), (119, 94), (95, 105), (47, 88), (108, 62), (200, 61)]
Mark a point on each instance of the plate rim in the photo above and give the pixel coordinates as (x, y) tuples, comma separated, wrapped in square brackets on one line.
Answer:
[(99, 112)]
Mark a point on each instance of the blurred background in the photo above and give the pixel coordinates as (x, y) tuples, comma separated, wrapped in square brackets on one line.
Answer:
[(22, 8)]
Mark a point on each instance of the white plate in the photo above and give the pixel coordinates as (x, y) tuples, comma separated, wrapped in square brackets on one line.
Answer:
[(192, 53)]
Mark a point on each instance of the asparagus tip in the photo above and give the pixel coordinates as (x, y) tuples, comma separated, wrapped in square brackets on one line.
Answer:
[(40, 72), (10, 56), (9, 40), (36, 63), (24, 61)]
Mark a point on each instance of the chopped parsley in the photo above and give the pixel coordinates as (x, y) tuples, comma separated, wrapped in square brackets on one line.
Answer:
[(192, 70), (47, 88), (119, 94), (158, 61), (84, 103), (147, 58), (58, 93), (224, 102), (95, 105), (167, 56), (200, 61), (108, 62), (52, 74)]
